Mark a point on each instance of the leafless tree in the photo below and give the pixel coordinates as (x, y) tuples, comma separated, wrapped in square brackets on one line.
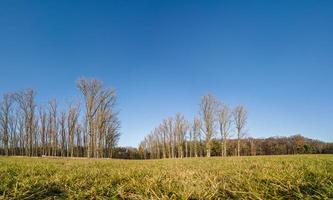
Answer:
[(13, 124), (253, 150), (99, 104), (113, 135), (26, 102), (20, 128), (62, 124), (53, 127), (190, 141), (5, 120), (224, 118), (107, 121), (143, 148), (90, 90), (79, 147), (240, 119), (163, 130), (179, 128), (208, 108), (72, 125), (196, 134), (170, 129), (168, 135), (43, 128)]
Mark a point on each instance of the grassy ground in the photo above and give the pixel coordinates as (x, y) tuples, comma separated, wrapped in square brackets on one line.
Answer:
[(266, 177)]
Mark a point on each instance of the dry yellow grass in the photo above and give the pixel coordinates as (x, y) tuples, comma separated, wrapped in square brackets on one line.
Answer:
[(262, 177)]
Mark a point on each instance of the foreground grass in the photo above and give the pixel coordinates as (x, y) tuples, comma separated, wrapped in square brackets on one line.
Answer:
[(266, 177)]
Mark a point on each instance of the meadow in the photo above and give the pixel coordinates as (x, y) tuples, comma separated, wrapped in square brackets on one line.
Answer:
[(259, 177)]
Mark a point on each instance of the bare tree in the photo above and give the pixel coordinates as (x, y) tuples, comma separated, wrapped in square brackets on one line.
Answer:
[(240, 119), (5, 120), (180, 129), (53, 127), (107, 120), (72, 124), (90, 90), (196, 134), (13, 124), (157, 143), (163, 131), (43, 128), (168, 129), (97, 99), (20, 128), (79, 147), (208, 108), (62, 123), (253, 150), (190, 141), (112, 134), (184, 131), (224, 118), (26, 102), (143, 148)]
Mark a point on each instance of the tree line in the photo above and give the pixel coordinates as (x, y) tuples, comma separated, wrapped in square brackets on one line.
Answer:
[(177, 138), (90, 128), (296, 144), (210, 134)]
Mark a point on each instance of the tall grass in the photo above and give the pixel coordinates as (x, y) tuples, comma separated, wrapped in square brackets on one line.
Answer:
[(264, 177)]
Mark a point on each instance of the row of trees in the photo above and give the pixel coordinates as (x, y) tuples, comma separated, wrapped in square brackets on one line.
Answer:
[(295, 144), (177, 137), (33, 130)]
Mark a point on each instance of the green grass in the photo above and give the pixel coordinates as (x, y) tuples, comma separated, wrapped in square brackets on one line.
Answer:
[(262, 177)]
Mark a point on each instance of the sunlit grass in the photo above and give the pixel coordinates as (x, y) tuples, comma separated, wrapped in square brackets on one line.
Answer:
[(266, 177)]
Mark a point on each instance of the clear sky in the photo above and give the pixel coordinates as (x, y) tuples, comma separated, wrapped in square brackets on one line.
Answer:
[(275, 57)]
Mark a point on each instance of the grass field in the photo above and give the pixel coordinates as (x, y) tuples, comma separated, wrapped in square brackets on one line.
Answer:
[(264, 177)]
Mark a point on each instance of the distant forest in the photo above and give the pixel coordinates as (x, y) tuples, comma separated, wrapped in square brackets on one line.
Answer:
[(296, 144), (91, 128)]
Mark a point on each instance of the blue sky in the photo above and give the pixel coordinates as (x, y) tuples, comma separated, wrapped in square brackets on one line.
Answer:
[(275, 57)]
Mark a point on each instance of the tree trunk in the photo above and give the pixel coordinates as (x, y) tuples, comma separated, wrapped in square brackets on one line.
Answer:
[(208, 149), (238, 147)]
